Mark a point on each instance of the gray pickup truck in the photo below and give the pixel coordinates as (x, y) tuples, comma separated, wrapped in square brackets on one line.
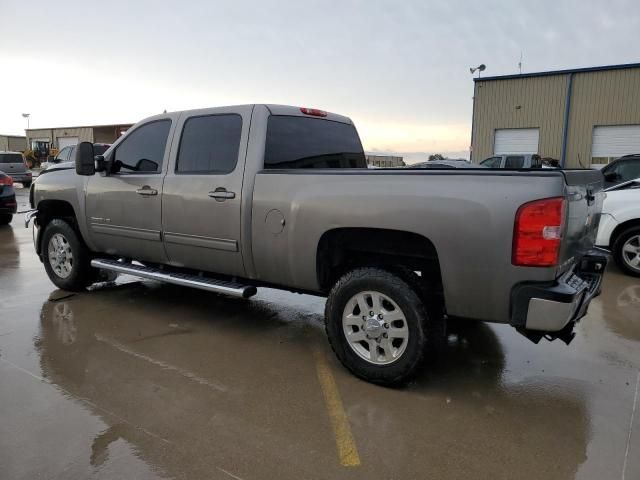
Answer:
[(234, 198)]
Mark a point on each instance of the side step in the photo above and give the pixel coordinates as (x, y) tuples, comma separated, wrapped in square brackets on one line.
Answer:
[(186, 280)]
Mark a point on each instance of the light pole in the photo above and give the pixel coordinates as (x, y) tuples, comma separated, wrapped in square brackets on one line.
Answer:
[(480, 68), (26, 115)]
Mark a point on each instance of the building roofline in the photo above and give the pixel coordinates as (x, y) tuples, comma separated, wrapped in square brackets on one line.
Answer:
[(81, 126), (12, 136), (603, 68)]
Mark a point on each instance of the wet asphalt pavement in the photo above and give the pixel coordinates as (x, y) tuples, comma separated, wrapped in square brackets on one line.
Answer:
[(143, 380)]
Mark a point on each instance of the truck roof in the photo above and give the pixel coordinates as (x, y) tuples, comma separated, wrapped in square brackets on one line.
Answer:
[(275, 109)]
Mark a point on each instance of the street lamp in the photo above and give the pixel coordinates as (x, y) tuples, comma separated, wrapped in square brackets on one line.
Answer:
[(480, 68), (26, 115)]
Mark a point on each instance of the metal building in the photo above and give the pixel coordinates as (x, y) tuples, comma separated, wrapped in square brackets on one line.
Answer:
[(384, 161), (61, 137), (580, 116), (12, 143)]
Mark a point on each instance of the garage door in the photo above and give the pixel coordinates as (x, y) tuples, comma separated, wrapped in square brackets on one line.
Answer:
[(615, 141), (66, 141), (516, 140)]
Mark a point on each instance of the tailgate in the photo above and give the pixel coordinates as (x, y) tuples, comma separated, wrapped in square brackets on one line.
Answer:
[(584, 203)]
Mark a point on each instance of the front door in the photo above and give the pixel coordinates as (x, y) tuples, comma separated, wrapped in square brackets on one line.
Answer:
[(203, 192), (123, 208)]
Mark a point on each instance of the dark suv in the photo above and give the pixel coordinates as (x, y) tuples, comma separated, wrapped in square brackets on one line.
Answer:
[(621, 170)]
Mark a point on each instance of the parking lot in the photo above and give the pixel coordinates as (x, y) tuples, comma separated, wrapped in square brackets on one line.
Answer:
[(143, 380)]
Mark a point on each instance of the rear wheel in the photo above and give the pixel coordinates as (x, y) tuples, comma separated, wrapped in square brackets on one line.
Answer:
[(626, 251), (5, 219), (66, 258), (26, 184), (378, 326)]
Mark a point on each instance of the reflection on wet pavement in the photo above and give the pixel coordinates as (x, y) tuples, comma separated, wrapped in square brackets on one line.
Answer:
[(142, 380)]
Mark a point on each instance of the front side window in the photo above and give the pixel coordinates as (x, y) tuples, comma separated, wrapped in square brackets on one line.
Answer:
[(492, 162), (514, 161), (63, 155), (210, 144), (301, 142), (143, 149)]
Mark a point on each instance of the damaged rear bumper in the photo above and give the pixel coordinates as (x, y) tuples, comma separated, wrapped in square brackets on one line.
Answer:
[(551, 309)]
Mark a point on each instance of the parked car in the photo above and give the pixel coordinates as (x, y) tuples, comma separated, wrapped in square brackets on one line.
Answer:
[(446, 163), (621, 170), (233, 198), (13, 164), (620, 225), (67, 154), (513, 160), (8, 203)]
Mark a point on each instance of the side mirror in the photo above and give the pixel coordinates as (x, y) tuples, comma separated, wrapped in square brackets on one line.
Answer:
[(84, 159)]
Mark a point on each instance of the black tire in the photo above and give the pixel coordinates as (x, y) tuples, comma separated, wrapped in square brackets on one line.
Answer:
[(618, 254), (5, 219), (26, 184), (419, 324), (81, 273)]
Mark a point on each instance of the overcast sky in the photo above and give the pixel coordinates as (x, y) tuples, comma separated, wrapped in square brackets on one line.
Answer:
[(399, 69)]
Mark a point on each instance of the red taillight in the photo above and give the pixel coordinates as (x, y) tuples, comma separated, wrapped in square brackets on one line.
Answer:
[(537, 233), (6, 180), (313, 111)]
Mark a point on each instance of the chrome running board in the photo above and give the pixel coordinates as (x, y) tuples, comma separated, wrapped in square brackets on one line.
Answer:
[(183, 279)]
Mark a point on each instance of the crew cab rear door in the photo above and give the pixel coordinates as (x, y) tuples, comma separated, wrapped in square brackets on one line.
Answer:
[(201, 202)]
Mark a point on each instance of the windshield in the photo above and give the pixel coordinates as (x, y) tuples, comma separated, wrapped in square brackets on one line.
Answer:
[(10, 158)]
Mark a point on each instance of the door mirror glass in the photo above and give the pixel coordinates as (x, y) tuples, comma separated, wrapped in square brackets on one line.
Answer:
[(84, 159)]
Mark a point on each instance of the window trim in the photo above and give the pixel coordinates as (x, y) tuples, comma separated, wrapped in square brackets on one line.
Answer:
[(208, 172), (124, 139)]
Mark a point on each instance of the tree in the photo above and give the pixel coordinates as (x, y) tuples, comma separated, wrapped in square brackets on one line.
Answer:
[(436, 156)]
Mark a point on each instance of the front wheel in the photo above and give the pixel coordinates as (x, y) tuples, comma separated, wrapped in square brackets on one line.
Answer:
[(66, 258), (378, 326), (5, 219)]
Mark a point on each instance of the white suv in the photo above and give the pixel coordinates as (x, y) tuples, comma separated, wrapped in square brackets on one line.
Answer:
[(619, 228)]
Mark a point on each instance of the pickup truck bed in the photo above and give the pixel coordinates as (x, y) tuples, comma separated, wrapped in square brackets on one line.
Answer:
[(280, 196)]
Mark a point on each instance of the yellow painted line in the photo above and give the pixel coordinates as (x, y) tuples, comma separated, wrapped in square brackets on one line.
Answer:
[(347, 450)]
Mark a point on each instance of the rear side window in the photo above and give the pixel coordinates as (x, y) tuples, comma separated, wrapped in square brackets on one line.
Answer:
[(300, 142), (210, 144), (514, 161), (143, 149), (10, 158)]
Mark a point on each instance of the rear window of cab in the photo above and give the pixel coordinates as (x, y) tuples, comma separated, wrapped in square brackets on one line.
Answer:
[(301, 142)]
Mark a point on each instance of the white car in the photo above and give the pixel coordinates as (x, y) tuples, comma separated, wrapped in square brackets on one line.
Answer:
[(619, 228)]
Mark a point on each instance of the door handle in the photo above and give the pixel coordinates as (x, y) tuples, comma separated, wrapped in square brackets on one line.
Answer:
[(220, 194), (147, 191)]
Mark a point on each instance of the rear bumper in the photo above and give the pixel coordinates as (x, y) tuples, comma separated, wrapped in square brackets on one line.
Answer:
[(552, 306)]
